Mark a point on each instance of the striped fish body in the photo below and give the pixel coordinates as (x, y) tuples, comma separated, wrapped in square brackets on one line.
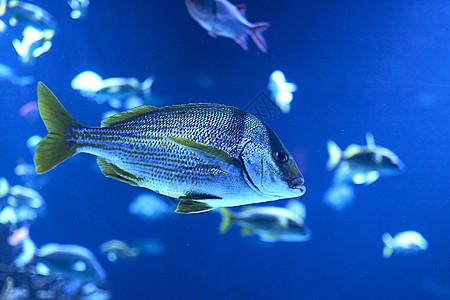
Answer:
[(206, 155), (142, 150)]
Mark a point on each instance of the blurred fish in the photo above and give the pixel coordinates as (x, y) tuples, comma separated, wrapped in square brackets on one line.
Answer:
[(116, 249), (29, 110), (81, 290), (24, 196), (27, 253), (34, 43), (33, 141), (221, 18), (4, 187), (7, 74), (362, 164), (205, 155), (270, 223), (28, 175), (25, 170), (339, 195), (151, 247), (27, 14), (3, 6), (27, 203), (69, 261), (3, 26), (19, 235), (8, 216), (406, 242), (79, 8), (87, 83), (124, 89), (281, 90), (117, 91), (150, 207), (20, 238)]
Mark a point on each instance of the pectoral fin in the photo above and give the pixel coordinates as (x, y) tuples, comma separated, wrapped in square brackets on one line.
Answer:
[(192, 206), (210, 154), (247, 231), (113, 171)]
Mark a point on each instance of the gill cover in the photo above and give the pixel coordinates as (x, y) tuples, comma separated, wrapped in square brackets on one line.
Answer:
[(269, 168)]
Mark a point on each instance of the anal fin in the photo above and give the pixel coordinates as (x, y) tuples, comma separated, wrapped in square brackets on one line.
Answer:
[(268, 237), (113, 171), (192, 206)]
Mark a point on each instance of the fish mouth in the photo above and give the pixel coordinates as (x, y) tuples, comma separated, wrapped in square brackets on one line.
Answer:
[(297, 183)]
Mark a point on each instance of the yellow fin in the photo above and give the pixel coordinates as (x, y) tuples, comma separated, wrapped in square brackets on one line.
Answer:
[(269, 237), (13, 3), (4, 187), (127, 115), (3, 4), (113, 171), (53, 148), (48, 34), (388, 241), (13, 21), (352, 150), (335, 154), (247, 231), (227, 219), (192, 206), (387, 251), (370, 140), (210, 153)]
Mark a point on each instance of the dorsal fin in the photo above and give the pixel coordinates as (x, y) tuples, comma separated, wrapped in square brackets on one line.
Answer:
[(351, 150), (242, 9), (370, 140), (126, 115)]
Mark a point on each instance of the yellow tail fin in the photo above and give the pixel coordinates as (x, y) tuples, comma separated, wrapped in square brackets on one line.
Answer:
[(54, 147), (227, 219), (3, 6), (388, 249), (335, 155)]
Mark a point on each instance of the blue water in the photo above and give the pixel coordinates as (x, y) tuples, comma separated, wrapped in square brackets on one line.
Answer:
[(361, 66)]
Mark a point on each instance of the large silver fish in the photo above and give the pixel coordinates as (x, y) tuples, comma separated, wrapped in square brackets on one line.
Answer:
[(206, 155)]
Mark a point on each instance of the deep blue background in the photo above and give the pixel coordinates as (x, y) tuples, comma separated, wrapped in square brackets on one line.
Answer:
[(378, 66)]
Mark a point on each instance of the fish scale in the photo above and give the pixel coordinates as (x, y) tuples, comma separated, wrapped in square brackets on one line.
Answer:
[(206, 155)]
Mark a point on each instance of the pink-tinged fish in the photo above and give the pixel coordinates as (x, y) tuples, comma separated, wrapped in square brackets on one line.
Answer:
[(221, 18), (19, 235)]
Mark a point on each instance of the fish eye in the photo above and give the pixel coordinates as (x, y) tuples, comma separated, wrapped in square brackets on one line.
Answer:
[(280, 156)]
